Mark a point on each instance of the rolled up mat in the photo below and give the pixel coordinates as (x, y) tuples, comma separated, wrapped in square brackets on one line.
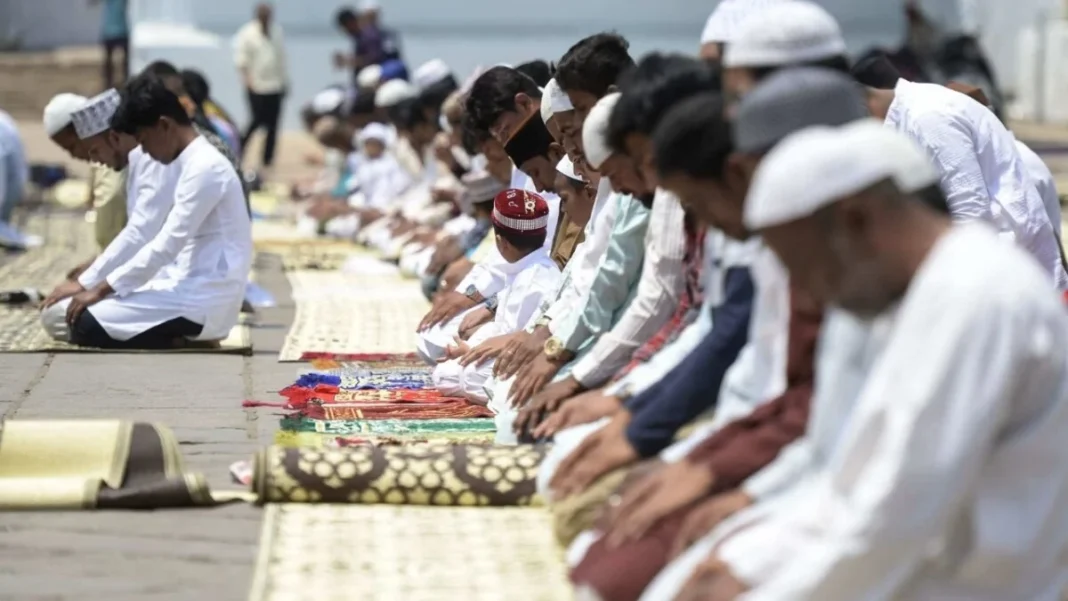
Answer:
[(417, 474)]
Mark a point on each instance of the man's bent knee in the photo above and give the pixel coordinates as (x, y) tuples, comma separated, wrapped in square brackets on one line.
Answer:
[(54, 321)]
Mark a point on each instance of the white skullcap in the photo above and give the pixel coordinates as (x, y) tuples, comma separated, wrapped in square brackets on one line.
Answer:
[(567, 168), (786, 34), (393, 92), (373, 131), (724, 20), (58, 111), (95, 116), (818, 166), (328, 101), (430, 73), (369, 77), (479, 186), (554, 100), (369, 5), (594, 131)]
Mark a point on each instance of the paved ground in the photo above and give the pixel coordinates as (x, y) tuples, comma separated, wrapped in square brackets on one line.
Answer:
[(190, 554)]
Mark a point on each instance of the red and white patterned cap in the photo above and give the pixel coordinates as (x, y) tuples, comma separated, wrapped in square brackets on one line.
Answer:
[(524, 213)]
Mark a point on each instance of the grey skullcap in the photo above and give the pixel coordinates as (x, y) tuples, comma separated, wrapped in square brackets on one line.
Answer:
[(793, 99)]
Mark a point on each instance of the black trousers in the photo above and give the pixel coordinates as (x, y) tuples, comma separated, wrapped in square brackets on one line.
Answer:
[(110, 46), (87, 331), (266, 111)]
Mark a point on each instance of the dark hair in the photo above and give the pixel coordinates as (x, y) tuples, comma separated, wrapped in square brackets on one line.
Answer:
[(196, 85), (538, 70), (694, 138), (838, 63), (363, 104), (434, 95), (933, 197), (521, 241), (471, 137), (876, 71), (145, 100), (408, 114), (160, 69), (493, 94), (594, 64), (343, 16), (658, 82)]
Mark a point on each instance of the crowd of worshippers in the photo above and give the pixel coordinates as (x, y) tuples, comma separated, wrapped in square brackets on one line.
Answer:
[(794, 328), (172, 216)]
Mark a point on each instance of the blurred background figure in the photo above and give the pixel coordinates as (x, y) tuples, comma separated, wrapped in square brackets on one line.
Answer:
[(372, 44), (259, 52), (115, 35)]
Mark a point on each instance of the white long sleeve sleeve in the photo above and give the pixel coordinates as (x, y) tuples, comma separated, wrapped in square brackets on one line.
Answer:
[(951, 148), (197, 193), (149, 209)]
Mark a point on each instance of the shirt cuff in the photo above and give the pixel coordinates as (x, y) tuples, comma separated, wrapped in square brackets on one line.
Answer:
[(90, 278)]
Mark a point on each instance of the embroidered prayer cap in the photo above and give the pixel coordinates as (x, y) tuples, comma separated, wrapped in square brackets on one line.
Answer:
[(95, 116), (394, 92), (728, 14), (479, 187), (373, 131), (554, 100), (793, 99), (369, 77), (58, 111), (788, 33), (328, 101), (430, 73), (595, 129), (520, 212), (532, 140), (817, 166), (567, 168)]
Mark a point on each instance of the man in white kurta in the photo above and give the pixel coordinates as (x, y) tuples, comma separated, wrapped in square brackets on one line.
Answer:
[(194, 270), (530, 280), (949, 477)]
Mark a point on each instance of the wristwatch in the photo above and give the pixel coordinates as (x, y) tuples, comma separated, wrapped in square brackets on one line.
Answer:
[(554, 348), (471, 292)]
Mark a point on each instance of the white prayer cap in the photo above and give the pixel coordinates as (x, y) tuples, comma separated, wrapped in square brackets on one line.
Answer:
[(369, 5), (728, 14), (58, 111), (393, 92), (793, 99), (430, 73), (817, 166), (373, 131), (787, 33), (554, 100), (567, 168), (479, 186), (95, 116), (328, 101), (369, 77), (594, 130)]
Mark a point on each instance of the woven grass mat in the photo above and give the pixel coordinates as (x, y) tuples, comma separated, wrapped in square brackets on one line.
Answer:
[(395, 553), (68, 240), (309, 284), (21, 332), (379, 324)]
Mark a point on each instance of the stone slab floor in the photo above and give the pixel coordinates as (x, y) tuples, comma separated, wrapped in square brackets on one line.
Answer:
[(202, 554)]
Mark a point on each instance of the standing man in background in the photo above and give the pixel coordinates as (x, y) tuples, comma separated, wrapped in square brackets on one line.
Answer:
[(259, 53), (115, 34), (372, 43)]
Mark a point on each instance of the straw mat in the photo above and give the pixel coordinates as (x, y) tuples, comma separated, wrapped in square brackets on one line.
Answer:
[(364, 324), (393, 553)]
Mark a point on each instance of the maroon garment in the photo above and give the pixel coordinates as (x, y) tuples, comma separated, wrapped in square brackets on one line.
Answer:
[(734, 453)]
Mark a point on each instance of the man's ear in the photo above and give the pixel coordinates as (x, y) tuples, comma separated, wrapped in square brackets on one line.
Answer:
[(556, 152), (524, 104), (737, 173)]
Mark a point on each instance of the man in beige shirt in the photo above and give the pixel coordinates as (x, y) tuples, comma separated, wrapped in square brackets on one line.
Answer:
[(259, 53)]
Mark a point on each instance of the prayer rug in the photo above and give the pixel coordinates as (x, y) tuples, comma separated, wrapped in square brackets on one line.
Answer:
[(392, 553), (289, 439), (299, 396), (308, 284), (94, 464), (384, 324), (390, 427), (21, 332), (412, 474), (397, 410)]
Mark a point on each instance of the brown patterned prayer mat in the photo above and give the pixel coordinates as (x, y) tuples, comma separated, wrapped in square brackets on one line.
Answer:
[(404, 553), (416, 474), (94, 464)]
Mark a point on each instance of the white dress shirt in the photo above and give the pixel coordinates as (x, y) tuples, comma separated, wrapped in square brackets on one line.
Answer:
[(982, 173), (1043, 180), (262, 58), (149, 199), (658, 293), (949, 479), (197, 265)]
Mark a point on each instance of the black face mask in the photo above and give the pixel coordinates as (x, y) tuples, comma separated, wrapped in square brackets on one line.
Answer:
[(532, 140)]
